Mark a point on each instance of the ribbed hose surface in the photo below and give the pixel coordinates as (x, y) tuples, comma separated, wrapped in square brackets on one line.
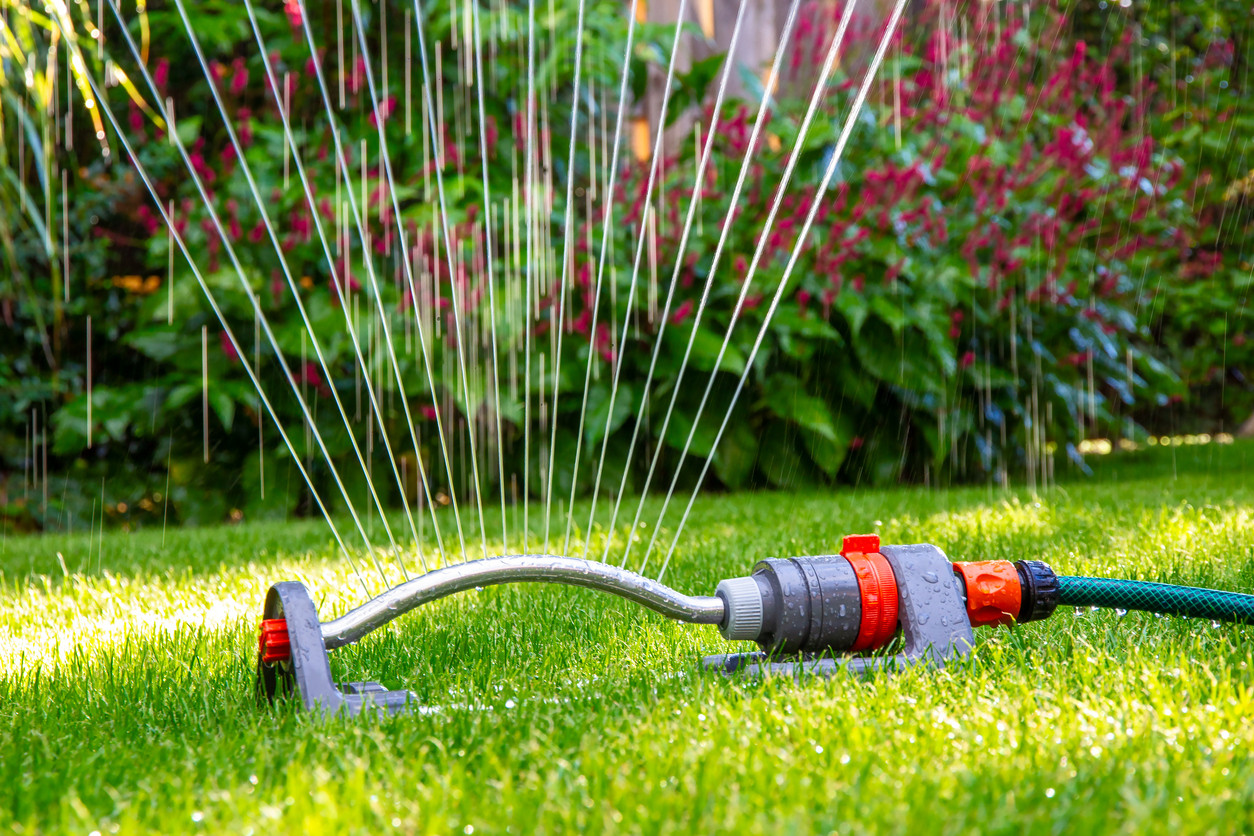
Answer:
[(1189, 601)]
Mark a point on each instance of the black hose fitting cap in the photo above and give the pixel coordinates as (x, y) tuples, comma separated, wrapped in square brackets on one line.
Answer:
[(1040, 590)]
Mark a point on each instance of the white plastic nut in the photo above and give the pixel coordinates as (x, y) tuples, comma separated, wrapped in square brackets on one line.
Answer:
[(743, 599)]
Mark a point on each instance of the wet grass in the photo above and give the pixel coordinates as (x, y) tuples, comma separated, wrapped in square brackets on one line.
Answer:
[(126, 685)]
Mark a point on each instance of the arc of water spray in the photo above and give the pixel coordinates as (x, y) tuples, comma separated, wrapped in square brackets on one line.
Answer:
[(832, 165), (221, 317), (567, 235), (828, 64), (617, 361), (261, 206), (678, 258), (357, 216), (259, 313), (480, 83), (608, 196), (528, 265), (459, 348)]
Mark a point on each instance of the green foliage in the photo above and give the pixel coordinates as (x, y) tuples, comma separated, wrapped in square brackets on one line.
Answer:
[(1197, 57), (970, 292), (1008, 260)]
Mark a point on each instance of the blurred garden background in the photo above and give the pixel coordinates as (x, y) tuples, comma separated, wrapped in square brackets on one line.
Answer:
[(1039, 235)]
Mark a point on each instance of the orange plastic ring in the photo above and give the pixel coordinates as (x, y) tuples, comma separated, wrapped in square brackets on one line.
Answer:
[(994, 593), (878, 586)]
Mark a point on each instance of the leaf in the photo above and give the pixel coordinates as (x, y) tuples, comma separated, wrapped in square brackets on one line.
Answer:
[(786, 397), (266, 486), (806, 326), (854, 308), (598, 410), (222, 405), (157, 343), (69, 426), (677, 433), (187, 128), (705, 349), (829, 453), (181, 395), (737, 451), (778, 457), (905, 362), (892, 314)]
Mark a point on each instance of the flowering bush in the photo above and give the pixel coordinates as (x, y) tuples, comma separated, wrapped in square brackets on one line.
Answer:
[(991, 276), (974, 284)]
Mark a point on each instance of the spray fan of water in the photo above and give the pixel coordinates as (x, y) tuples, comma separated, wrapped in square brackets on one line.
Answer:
[(475, 295)]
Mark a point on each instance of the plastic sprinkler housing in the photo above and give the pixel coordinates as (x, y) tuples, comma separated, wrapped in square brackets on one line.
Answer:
[(820, 609)]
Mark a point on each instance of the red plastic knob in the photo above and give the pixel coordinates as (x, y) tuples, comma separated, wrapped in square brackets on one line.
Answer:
[(273, 643)]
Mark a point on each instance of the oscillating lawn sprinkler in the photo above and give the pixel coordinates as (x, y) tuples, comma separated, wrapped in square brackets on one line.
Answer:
[(819, 615)]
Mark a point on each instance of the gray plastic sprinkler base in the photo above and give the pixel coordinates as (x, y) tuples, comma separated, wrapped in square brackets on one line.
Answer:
[(933, 618), (307, 674)]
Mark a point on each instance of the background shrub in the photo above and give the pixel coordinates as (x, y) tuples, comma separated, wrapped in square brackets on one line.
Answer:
[(1036, 234)]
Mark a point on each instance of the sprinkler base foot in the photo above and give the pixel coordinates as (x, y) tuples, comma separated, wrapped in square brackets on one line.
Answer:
[(306, 671)]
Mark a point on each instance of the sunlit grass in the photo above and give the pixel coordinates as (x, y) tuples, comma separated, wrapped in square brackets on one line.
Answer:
[(126, 677)]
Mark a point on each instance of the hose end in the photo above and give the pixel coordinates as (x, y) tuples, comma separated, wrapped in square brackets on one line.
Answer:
[(1040, 590)]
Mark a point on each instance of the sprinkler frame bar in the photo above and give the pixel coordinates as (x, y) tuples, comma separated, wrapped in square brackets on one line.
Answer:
[(537, 568)]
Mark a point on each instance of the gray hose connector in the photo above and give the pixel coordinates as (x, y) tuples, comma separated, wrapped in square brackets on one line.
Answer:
[(742, 598)]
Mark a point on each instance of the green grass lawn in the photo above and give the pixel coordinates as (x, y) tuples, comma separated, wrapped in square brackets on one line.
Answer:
[(126, 699)]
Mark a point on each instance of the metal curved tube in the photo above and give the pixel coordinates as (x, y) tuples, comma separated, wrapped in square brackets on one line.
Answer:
[(538, 568)]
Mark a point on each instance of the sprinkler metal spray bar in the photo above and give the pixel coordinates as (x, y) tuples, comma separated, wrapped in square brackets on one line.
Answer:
[(806, 614)]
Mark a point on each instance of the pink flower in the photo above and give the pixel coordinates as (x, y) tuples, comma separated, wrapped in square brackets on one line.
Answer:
[(293, 11), (239, 82), (310, 375), (385, 110), (682, 312), (803, 300), (228, 347), (968, 360), (491, 135)]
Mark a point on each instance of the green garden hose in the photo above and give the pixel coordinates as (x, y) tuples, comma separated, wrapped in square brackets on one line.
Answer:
[(1165, 598)]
